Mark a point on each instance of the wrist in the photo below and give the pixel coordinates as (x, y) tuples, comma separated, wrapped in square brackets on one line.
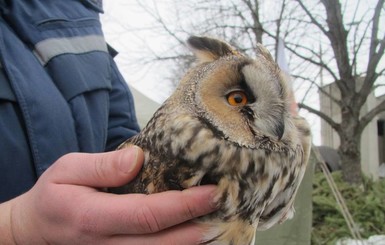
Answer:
[(6, 233)]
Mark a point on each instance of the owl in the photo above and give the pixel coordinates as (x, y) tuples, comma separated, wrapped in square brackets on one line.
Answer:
[(227, 123)]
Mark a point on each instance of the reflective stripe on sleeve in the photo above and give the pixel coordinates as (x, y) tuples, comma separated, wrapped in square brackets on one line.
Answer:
[(49, 48)]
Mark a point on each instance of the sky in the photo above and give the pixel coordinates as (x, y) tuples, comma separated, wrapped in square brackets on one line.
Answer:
[(125, 29)]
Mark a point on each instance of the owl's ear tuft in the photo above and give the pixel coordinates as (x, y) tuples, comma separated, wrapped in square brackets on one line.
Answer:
[(208, 49), (264, 52)]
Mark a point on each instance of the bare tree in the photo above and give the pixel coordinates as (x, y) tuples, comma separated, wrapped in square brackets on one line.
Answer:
[(347, 46), (236, 21)]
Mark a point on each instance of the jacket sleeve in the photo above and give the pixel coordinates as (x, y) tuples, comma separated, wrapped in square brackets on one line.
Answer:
[(122, 119)]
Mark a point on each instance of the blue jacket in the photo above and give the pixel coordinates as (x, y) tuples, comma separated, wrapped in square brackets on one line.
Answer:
[(60, 90)]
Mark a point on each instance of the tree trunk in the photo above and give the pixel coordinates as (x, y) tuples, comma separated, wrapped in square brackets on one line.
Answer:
[(350, 154)]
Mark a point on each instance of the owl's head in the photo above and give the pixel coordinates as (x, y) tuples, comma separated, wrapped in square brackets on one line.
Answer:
[(242, 99)]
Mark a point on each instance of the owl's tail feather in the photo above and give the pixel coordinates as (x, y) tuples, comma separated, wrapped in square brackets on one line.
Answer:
[(235, 232), (211, 241)]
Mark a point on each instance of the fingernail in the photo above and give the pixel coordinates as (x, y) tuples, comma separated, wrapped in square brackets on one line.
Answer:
[(129, 159), (210, 192), (214, 199)]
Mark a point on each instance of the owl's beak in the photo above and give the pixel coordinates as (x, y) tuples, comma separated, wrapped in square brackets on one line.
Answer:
[(280, 129)]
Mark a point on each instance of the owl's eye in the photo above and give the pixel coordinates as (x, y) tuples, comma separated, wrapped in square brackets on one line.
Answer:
[(237, 98)]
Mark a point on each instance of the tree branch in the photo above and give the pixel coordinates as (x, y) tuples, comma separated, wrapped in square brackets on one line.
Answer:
[(156, 15), (370, 115), (278, 32), (310, 60), (376, 20), (374, 57), (357, 47), (313, 20), (329, 120), (338, 40), (257, 26)]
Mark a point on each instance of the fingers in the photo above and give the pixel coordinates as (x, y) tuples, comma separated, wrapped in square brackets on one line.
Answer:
[(140, 214), (70, 201), (188, 233), (97, 170)]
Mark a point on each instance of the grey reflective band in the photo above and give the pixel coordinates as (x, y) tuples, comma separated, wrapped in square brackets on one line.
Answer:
[(49, 48)]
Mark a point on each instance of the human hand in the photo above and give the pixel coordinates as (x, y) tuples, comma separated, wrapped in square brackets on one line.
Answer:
[(293, 104), (65, 206)]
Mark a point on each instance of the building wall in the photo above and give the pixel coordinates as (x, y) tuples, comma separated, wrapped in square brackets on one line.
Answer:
[(369, 142), (328, 136), (144, 107), (381, 133)]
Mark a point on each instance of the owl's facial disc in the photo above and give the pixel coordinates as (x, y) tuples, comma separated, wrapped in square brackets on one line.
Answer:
[(242, 100)]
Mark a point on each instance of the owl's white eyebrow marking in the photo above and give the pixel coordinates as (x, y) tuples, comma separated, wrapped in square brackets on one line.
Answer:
[(251, 97)]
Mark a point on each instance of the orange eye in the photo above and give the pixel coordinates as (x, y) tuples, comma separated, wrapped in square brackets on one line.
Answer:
[(237, 98)]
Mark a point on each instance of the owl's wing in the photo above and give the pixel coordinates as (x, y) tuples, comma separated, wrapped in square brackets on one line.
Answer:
[(129, 142), (160, 171), (282, 206), (304, 132)]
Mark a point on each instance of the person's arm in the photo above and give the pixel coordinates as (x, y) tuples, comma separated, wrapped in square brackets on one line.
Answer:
[(66, 207), (122, 123), (5, 224)]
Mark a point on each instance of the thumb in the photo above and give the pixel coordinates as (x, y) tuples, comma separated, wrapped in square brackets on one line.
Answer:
[(108, 169)]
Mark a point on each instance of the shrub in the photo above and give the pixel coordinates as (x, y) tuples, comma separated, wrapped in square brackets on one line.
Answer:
[(365, 203)]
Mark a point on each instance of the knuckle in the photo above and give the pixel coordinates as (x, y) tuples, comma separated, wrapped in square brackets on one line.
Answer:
[(98, 171), (100, 168), (60, 166), (146, 220), (61, 162), (188, 210)]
